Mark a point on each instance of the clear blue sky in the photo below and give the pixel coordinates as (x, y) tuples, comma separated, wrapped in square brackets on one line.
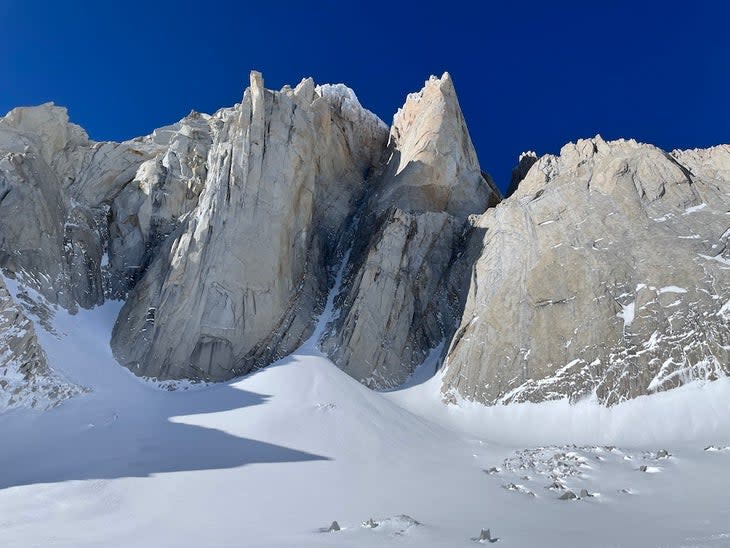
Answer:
[(530, 75)]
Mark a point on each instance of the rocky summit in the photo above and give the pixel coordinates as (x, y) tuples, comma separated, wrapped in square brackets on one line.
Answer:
[(605, 273)]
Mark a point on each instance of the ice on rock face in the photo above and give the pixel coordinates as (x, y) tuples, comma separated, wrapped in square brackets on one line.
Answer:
[(694, 209), (627, 314), (724, 311), (672, 289)]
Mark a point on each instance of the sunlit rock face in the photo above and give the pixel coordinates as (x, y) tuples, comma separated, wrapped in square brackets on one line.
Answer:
[(606, 273), (239, 283)]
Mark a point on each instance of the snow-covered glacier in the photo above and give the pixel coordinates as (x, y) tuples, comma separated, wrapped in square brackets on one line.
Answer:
[(248, 325)]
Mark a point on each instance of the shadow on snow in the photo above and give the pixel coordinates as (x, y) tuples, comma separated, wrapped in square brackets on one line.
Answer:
[(90, 438)]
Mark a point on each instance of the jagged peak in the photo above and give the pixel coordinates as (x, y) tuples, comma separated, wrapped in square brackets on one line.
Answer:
[(430, 163), (599, 146), (33, 119), (305, 88), (434, 111), (18, 114), (722, 149), (339, 96), (577, 160), (256, 80), (435, 89), (443, 83)]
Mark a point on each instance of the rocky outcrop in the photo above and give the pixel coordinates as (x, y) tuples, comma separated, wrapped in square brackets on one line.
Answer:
[(79, 220), (55, 191), (392, 307), (153, 205), (238, 284), (25, 377), (607, 272)]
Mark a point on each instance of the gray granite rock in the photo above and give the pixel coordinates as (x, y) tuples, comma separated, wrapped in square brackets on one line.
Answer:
[(238, 284), (56, 188), (606, 273), (392, 309)]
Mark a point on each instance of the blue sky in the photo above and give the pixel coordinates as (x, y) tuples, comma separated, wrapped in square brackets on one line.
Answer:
[(530, 75)]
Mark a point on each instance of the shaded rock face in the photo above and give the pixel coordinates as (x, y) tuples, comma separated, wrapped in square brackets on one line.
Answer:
[(58, 191), (25, 377), (238, 285), (520, 171), (392, 311), (607, 272), (164, 190)]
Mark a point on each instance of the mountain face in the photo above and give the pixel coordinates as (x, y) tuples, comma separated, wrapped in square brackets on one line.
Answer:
[(606, 271), (238, 283)]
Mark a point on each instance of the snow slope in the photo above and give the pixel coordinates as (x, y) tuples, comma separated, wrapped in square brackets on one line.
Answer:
[(273, 458)]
